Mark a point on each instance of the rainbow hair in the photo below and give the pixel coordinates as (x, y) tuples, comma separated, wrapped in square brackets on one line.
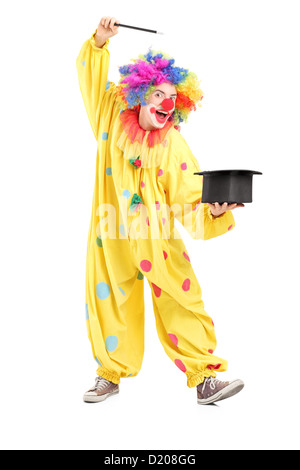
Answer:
[(139, 80)]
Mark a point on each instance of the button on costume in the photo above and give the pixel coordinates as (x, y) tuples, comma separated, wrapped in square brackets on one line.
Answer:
[(144, 180)]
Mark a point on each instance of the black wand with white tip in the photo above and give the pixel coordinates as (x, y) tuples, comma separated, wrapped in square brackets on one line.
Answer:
[(137, 28)]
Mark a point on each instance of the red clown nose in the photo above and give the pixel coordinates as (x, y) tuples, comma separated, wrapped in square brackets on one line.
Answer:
[(167, 104)]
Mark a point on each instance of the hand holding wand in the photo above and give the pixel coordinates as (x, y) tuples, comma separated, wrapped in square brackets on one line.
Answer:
[(138, 28), (109, 27)]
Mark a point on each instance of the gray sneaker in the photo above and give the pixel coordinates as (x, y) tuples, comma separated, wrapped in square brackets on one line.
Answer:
[(102, 390), (212, 390)]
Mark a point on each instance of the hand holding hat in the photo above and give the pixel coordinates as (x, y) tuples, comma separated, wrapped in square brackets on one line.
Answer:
[(217, 209)]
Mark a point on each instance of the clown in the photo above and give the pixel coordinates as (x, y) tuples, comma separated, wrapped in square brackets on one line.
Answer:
[(144, 181)]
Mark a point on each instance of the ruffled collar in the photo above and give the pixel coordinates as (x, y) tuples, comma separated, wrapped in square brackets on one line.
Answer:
[(136, 142), (130, 122)]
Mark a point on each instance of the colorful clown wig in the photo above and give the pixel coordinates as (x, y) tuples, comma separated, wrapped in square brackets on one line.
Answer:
[(139, 80)]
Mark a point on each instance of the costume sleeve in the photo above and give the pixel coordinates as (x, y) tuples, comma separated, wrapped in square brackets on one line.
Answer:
[(184, 192), (92, 67)]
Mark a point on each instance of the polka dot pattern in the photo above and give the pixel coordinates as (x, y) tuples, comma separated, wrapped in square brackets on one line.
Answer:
[(111, 343), (156, 290), (183, 166), (102, 290), (165, 254), (126, 193), (105, 136), (197, 205), (173, 338), (108, 171), (107, 85), (98, 362), (180, 365), (122, 230), (146, 265), (121, 290), (186, 256), (99, 242), (87, 316), (186, 285), (214, 367), (160, 172)]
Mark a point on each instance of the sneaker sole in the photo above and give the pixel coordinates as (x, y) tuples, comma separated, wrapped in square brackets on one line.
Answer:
[(232, 389), (98, 398)]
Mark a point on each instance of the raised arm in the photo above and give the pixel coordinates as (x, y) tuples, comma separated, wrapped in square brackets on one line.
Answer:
[(92, 68)]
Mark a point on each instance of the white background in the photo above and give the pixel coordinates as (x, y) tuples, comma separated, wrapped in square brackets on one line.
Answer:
[(246, 55)]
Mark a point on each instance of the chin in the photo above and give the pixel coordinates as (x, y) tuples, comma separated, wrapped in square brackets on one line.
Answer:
[(158, 125)]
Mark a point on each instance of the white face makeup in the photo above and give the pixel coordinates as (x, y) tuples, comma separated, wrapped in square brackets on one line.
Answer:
[(158, 115), (159, 108)]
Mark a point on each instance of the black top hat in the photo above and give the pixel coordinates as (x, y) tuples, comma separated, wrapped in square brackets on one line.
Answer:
[(232, 186)]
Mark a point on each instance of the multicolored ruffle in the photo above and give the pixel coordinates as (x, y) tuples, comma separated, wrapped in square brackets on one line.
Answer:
[(143, 149)]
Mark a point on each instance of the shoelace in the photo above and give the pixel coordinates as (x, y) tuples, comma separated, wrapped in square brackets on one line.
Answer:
[(101, 383), (211, 381)]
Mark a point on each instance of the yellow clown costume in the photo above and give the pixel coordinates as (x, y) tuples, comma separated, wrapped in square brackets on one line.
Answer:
[(139, 191)]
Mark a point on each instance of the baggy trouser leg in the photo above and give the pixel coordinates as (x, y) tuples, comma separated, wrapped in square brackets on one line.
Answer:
[(115, 315)]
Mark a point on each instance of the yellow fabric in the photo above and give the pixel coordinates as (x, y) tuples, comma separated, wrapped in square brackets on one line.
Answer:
[(149, 156), (143, 243)]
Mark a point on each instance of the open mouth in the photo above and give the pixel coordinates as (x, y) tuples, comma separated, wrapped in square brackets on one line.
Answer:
[(161, 115)]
